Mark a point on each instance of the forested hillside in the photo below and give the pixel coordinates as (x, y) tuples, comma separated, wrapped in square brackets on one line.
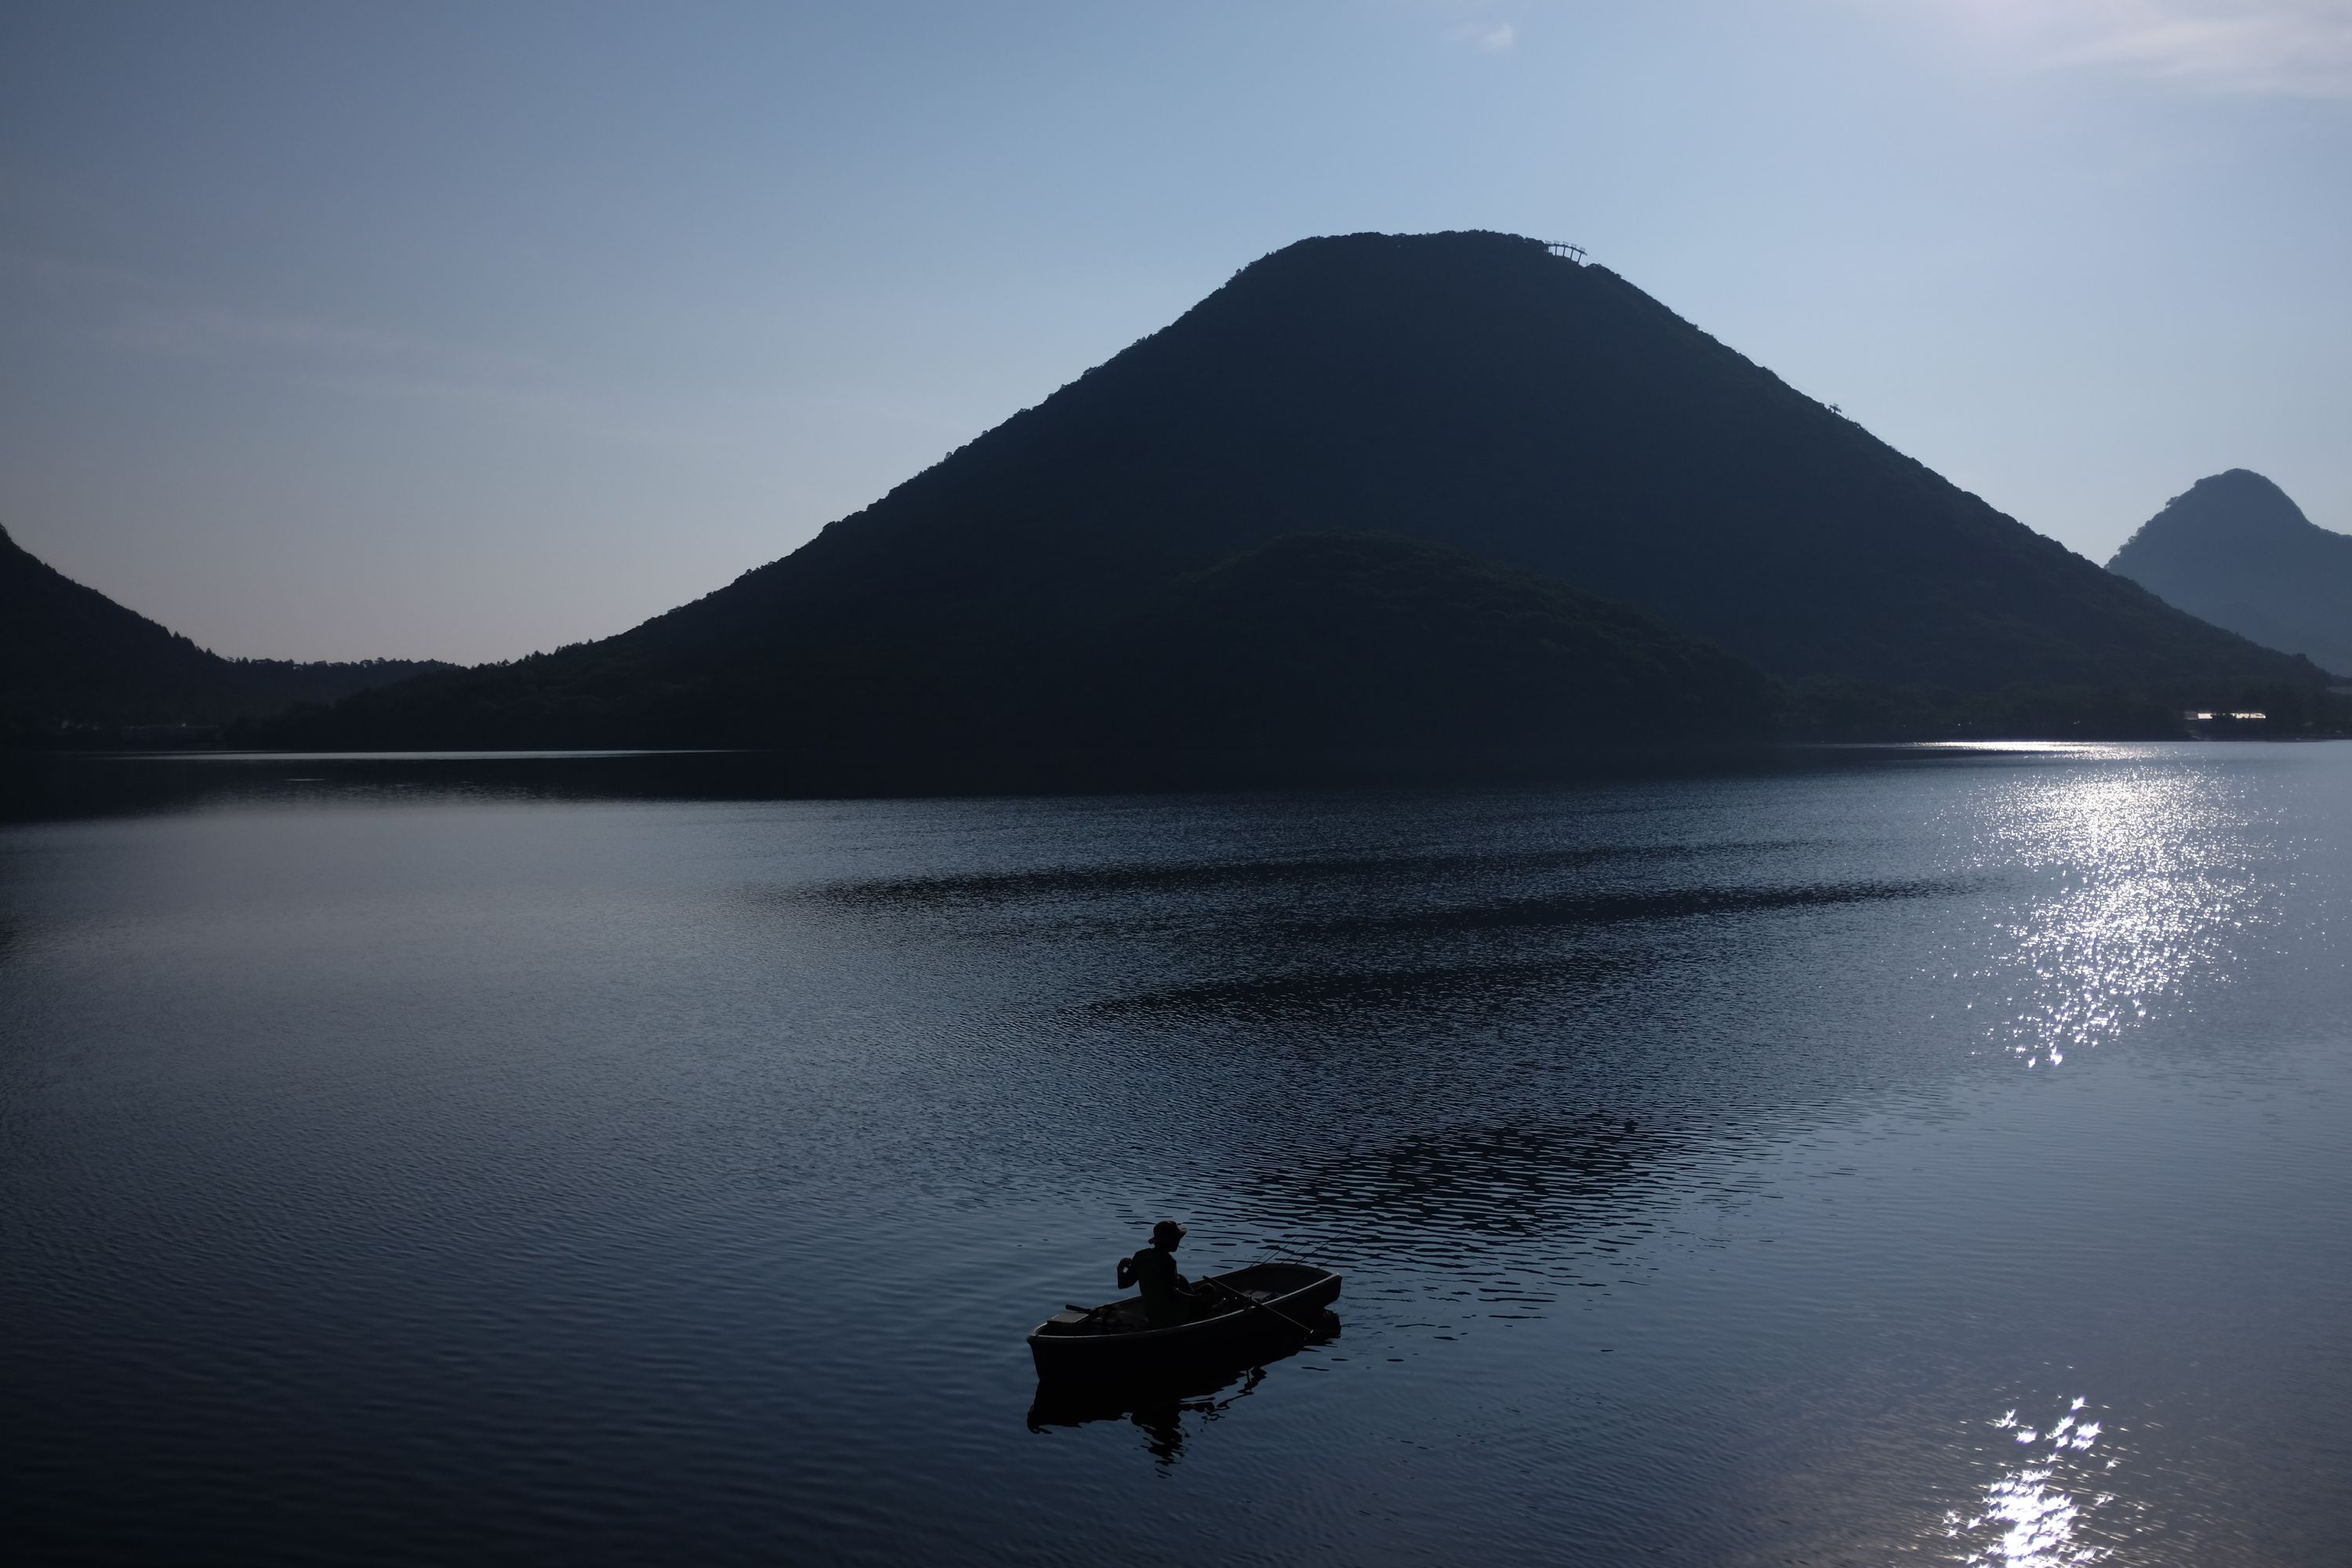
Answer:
[(75, 666)]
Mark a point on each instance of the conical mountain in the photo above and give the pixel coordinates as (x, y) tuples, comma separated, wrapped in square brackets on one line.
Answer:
[(74, 662), (1471, 390), (2235, 550)]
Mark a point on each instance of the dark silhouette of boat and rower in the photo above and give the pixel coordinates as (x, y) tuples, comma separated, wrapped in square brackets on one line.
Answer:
[(1172, 1326)]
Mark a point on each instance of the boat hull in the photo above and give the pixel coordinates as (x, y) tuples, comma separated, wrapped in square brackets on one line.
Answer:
[(1294, 1309)]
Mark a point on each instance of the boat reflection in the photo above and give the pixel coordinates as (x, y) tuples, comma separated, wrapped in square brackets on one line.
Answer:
[(1163, 1406)]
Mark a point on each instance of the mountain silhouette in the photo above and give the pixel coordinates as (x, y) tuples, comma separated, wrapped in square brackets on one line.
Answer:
[(1470, 391), (2233, 550), (1314, 656), (75, 665)]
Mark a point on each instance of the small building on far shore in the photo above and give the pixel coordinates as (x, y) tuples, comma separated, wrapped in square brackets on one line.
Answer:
[(2226, 723)]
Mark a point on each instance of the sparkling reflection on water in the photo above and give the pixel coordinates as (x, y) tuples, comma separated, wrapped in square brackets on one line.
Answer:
[(2036, 1513), (593, 1159), (2150, 872)]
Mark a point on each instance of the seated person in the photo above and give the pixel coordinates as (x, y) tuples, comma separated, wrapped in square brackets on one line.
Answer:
[(1168, 1299)]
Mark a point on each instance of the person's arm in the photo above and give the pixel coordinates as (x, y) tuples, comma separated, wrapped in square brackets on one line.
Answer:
[(1126, 1273)]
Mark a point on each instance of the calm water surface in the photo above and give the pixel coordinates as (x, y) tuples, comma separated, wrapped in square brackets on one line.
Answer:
[(1937, 1159)]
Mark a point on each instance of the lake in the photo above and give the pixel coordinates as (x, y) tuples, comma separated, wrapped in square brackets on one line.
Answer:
[(1926, 1156)]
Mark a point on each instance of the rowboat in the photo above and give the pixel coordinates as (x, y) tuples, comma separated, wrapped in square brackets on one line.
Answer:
[(1267, 1306)]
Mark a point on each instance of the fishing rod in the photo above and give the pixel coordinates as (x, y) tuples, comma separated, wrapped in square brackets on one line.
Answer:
[(1247, 1299)]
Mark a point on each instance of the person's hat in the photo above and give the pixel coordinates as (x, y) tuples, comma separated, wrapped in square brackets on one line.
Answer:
[(1167, 1229)]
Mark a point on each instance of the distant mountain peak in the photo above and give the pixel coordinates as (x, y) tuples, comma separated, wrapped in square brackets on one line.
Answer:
[(2235, 502), (2234, 549)]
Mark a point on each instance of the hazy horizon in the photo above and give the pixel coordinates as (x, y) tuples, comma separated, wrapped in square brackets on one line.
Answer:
[(430, 333)]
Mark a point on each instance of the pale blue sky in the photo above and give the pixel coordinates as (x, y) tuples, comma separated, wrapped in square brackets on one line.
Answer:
[(331, 330)]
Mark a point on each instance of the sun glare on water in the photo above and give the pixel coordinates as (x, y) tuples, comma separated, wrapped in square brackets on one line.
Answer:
[(2032, 1515), (2145, 887)]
